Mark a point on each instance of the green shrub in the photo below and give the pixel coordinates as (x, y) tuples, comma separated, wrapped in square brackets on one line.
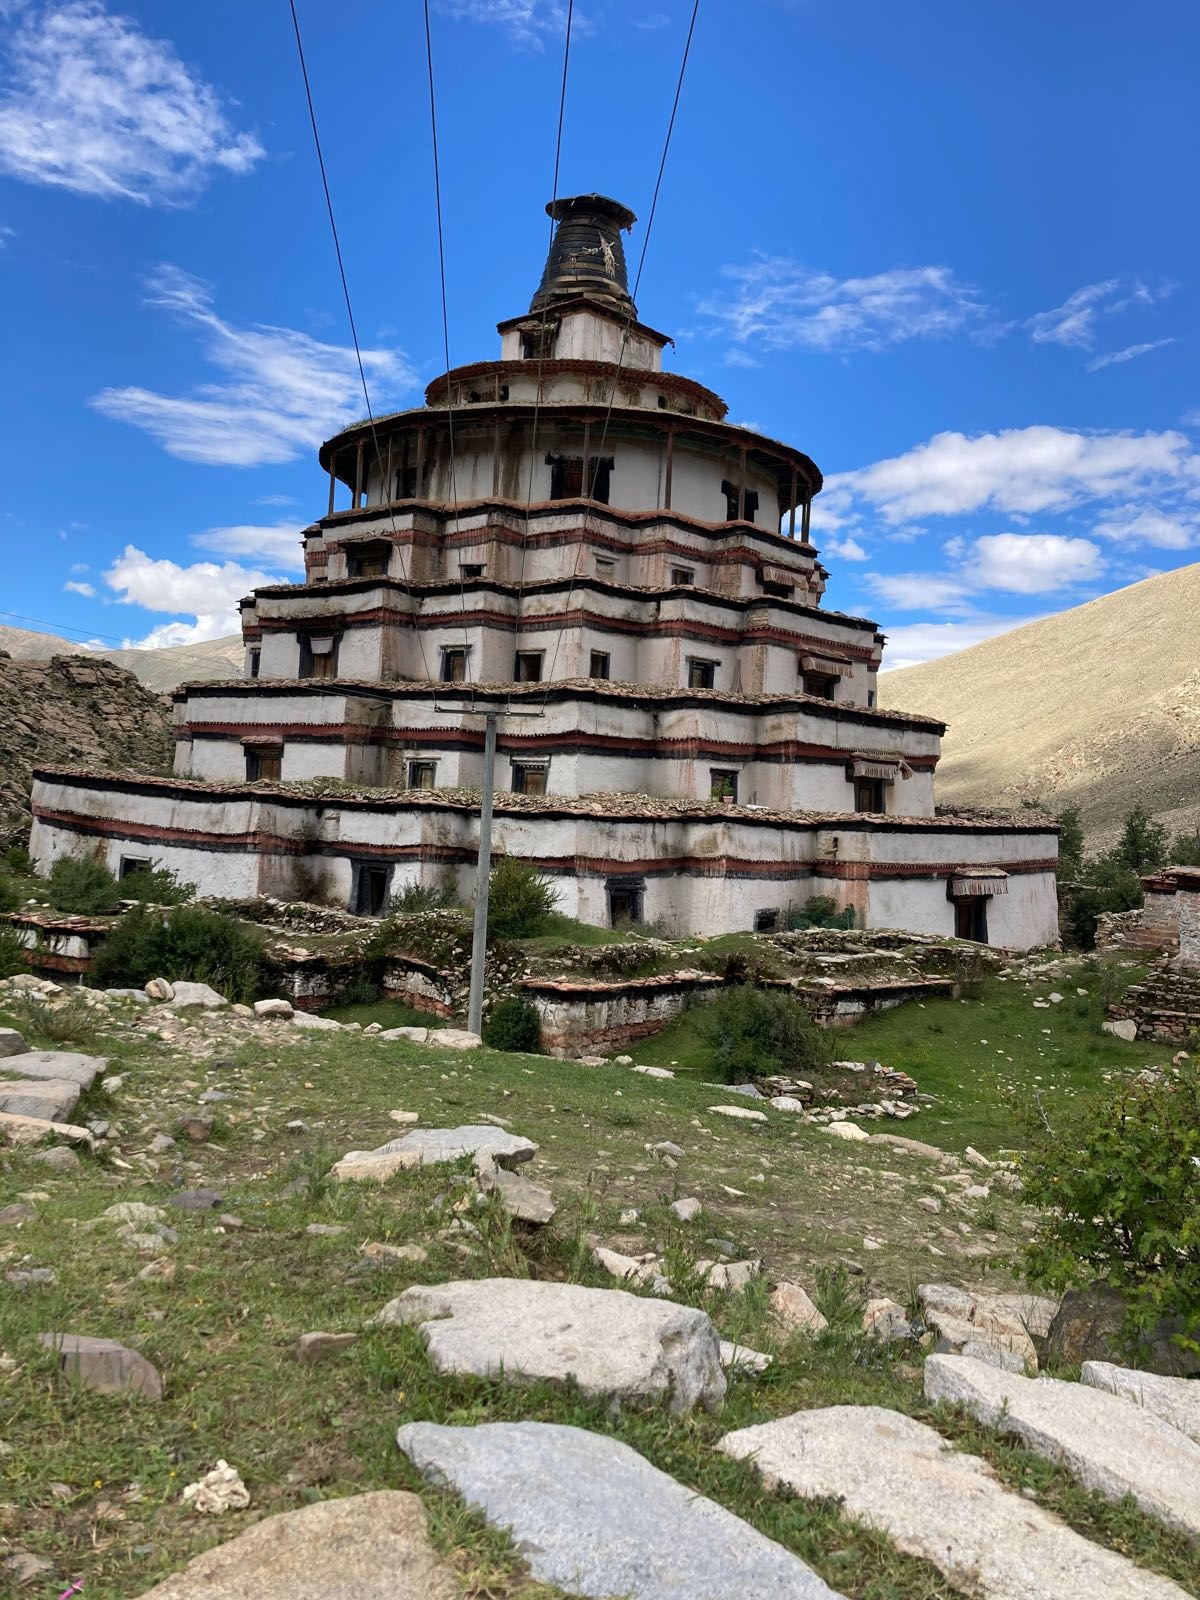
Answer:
[(821, 911), (514, 1024), (185, 943), (156, 886), (416, 897), (1116, 1190), (14, 957), (520, 900), (10, 895), (83, 887), (752, 1032), (17, 859)]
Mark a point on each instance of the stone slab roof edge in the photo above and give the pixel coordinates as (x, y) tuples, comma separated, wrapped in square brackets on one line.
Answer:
[(612, 807)]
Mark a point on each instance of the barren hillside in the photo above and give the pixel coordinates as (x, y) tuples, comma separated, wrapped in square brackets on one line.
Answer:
[(157, 669), (1098, 707)]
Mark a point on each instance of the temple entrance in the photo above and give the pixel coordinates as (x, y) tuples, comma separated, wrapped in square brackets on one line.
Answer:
[(970, 918), (369, 891)]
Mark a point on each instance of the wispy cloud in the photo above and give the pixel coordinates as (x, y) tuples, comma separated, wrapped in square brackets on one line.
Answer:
[(1175, 529), (920, 591), (1076, 321), (1031, 563), (278, 543), (914, 642), (776, 303), (283, 391), (93, 105), (74, 586), (1130, 353), (527, 22), (205, 591)]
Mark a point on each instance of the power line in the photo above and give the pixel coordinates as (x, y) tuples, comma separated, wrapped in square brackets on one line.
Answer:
[(687, 47)]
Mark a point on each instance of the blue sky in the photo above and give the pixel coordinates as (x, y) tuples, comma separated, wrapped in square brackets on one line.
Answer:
[(949, 250)]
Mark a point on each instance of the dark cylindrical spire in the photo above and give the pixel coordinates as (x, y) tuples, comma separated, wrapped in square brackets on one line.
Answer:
[(586, 255)]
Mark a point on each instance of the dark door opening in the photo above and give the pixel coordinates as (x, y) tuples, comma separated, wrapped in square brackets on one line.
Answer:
[(970, 918), (369, 891)]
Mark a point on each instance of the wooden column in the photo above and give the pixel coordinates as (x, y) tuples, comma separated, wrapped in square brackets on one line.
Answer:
[(388, 496), (358, 476), (669, 469), (419, 469), (792, 507), (741, 505), (588, 483), (332, 480), (807, 516), (496, 457)]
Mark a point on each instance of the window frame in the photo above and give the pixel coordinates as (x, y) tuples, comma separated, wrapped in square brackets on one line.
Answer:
[(878, 791), (705, 666), (520, 674), (606, 657), (365, 878), (418, 764), (258, 754), (723, 784), (307, 670), (683, 577), (520, 771), (452, 653)]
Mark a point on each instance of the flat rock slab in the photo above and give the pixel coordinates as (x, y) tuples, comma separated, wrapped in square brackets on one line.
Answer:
[(739, 1113), (899, 1476), (612, 1343), (104, 1365), (1175, 1400), (56, 1066), (11, 1042), (47, 1099), (18, 1130), (488, 1147), (366, 1547), (595, 1518), (1109, 1444), (522, 1200)]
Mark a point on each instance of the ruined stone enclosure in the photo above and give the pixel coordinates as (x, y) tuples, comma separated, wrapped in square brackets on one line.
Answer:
[(578, 540)]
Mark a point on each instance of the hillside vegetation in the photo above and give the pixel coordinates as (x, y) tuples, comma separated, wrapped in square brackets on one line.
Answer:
[(1097, 707)]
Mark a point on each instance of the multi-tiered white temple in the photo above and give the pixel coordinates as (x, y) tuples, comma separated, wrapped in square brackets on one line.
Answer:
[(573, 535)]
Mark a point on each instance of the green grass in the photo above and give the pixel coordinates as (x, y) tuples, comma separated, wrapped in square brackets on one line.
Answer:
[(222, 1330), (388, 1013)]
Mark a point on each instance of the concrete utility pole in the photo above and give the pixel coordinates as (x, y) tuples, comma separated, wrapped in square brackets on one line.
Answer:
[(483, 873)]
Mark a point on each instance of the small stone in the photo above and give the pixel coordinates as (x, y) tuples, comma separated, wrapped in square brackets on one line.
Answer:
[(24, 1568), (104, 1365), (655, 1072), (405, 1118), (849, 1131), (134, 1211), (324, 1230), (311, 1024), (886, 1321), (1124, 1028), (197, 1129), (59, 1158), (31, 1278), (740, 1113), (273, 1008), (928, 1203), (787, 1102), (213, 1097), (795, 1310), (11, 1043), (196, 1200), (16, 1215), (454, 1039), (521, 1199), (686, 1210), (740, 1358), (160, 1271), (217, 1491), (410, 1035), (196, 997), (160, 989), (409, 1253), (974, 1159), (314, 1347), (487, 1145), (728, 1274), (665, 1148)]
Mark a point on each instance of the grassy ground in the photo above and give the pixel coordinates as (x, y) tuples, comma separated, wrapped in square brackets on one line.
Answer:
[(94, 1482)]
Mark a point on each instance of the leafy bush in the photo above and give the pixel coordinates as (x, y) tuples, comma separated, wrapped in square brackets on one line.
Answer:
[(514, 1024), (821, 911), (1116, 1189), (416, 897), (752, 1032), (520, 900), (10, 896), (1111, 887), (1070, 845), (17, 859), (157, 886), (14, 957), (83, 887), (185, 943)]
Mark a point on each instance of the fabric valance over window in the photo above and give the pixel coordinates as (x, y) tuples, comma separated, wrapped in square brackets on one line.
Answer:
[(321, 647), (828, 666), (968, 885), (888, 771)]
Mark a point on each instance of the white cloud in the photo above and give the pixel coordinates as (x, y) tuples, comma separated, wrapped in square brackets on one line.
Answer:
[(1163, 530), (920, 591), (1130, 353), (1024, 470), (847, 549), (73, 586), (95, 106), (284, 391), (1075, 321), (1032, 563), (207, 592), (780, 304), (279, 543), (912, 643), (528, 22)]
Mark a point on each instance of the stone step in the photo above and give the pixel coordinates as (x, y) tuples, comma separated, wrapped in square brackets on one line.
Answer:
[(56, 1066), (610, 1342), (900, 1477), (592, 1516), (47, 1099), (1112, 1446), (1175, 1400)]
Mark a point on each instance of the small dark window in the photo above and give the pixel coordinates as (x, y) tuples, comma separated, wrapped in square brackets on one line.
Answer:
[(368, 560), (539, 342), (600, 664), (683, 574), (818, 685), (406, 483), (422, 774), (473, 570), (454, 666), (782, 591), (131, 865), (255, 662), (870, 697), (567, 480), (626, 900), (606, 567), (723, 783), (264, 763), (749, 503), (318, 657), (701, 674), (527, 666), (369, 890), (970, 918), (766, 921), (662, 402), (868, 795), (529, 777)]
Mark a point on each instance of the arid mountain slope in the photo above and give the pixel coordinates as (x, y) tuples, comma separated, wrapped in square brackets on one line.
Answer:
[(157, 669), (1097, 707), (75, 710)]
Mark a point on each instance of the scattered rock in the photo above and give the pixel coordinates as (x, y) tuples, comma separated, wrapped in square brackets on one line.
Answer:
[(655, 1072), (593, 1517), (795, 1310), (848, 1130), (314, 1347), (632, 1269), (928, 1203), (686, 1210), (22, 1130), (412, 1035), (523, 1200), (11, 1043), (974, 1159), (367, 1546), (17, 1214), (59, 1158), (104, 1365), (1111, 1446), (135, 1211), (32, 1277), (274, 1008), (217, 1491), (787, 1102), (611, 1343), (197, 1129), (304, 1019), (1005, 1321), (896, 1475), (47, 1100), (196, 997), (728, 1274), (487, 1145), (196, 1199), (1125, 1028), (454, 1039), (25, 1569), (1175, 1400), (886, 1321), (405, 1118), (741, 1113), (160, 989), (411, 1253), (665, 1150), (740, 1358), (324, 1230)]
